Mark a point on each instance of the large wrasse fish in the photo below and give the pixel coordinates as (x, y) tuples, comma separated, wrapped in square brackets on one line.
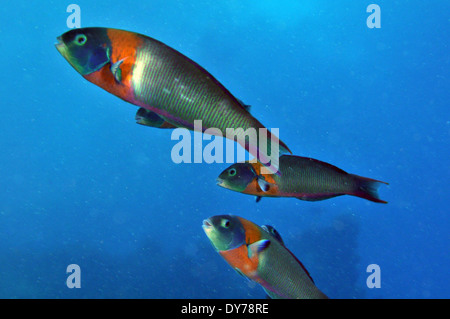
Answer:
[(150, 74), (301, 177), (259, 254)]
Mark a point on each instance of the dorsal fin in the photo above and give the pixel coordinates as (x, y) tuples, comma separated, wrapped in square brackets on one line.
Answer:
[(245, 106), (272, 231)]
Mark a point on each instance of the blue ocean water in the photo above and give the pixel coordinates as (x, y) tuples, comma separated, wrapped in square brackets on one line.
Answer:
[(83, 184)]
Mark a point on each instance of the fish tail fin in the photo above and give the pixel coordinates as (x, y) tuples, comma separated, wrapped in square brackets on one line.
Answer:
[(367, 188)]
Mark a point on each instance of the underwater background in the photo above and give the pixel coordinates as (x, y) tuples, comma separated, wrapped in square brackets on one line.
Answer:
[(82, 184)]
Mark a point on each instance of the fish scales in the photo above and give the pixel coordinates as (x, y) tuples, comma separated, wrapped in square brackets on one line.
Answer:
[(312, 176), (169, 81), (282, 271)]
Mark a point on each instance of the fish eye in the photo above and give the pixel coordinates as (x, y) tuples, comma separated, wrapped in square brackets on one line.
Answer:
[(80, 39), (225, 223), (232, 172)]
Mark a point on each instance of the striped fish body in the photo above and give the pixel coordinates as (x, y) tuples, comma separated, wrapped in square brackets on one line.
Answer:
[(174, 86), (307, 177), (282, 275), (311, 179), (181, 91)]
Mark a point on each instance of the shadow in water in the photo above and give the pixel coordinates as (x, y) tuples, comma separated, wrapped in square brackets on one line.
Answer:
[(330, 255), (191, 271)]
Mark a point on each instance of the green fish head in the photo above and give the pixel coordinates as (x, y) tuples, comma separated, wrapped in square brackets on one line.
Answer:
[(86, 49), (224, 231), (237, 177)]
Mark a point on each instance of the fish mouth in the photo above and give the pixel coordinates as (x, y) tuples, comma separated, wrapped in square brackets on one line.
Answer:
[(61, 47), (220, 182), (207, 226), (60, 44), (206, 223)]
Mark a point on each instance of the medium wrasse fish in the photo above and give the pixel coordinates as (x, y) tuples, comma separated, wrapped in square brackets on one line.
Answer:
[(259, 255), (150, 118), (301, 177), (150, 74)]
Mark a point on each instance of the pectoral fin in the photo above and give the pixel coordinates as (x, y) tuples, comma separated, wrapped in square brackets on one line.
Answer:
[(116, 71), (257, 247), (265, 186)]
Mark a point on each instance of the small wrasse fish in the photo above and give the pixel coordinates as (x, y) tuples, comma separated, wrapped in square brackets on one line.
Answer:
[(151, 75), (255, 253), (301, 177), (150, 118)]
